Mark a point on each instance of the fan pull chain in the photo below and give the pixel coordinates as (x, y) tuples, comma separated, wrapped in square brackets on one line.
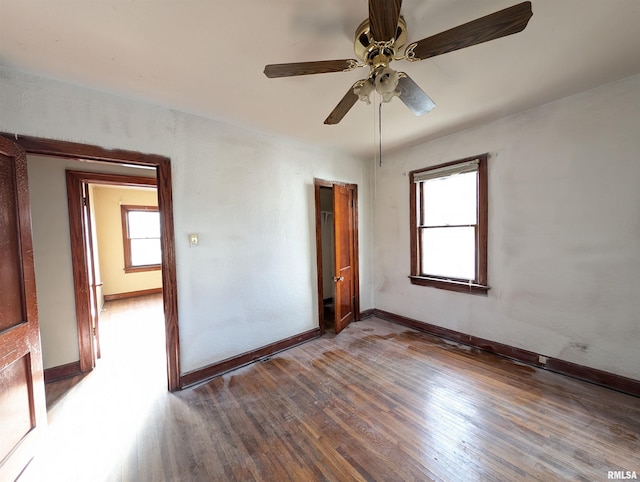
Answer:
[(380, 134), (376, 150)]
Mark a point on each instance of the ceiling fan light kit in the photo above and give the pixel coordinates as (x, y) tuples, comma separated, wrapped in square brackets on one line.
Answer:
[(378, 41)]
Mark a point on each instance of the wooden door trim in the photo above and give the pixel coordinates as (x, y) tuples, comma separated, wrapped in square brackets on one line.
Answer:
[(355, 254), (80, 263), (80, 276), (162, 165), (317, 184)]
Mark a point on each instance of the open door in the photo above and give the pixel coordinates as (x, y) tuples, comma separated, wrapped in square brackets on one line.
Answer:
[(22, 401), (343, 219), (91, 269), (341, 302)]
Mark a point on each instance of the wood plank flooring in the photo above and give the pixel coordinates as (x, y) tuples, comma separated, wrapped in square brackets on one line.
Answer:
[(377, 402)]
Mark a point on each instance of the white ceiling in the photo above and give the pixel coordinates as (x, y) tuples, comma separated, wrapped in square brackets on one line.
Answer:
[(207, 56)]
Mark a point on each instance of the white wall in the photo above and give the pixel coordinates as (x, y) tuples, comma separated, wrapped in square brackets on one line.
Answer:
[(564, 231), (252, 279)]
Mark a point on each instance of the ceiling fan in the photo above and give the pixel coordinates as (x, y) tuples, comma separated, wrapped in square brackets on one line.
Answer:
[(380, 38)]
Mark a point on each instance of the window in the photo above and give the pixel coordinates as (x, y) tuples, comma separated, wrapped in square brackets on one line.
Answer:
[(449, 225), (141, 238)]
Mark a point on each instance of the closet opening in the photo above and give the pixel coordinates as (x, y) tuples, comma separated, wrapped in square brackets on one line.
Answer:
[(328, 256), (336, 206)]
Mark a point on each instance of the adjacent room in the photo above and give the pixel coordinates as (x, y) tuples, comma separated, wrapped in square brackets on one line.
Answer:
[(340, 240)]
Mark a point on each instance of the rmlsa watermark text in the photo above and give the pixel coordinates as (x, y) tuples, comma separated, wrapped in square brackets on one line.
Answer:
[(622, 475)]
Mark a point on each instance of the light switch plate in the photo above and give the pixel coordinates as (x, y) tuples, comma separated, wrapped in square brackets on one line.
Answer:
[(193, 240)]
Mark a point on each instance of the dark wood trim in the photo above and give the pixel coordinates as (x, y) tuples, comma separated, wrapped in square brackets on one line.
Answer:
[(84, 152), (483, 221), (422, 326), (80, 266), (143, 269), (414, 232), (162, 165), (480, 285), (593, 375), (169, 276), (450, 285), (366, 314), (60, 372), (588, 374), (224, 366), (118, 179), (325, 183), (133, 294), (356, 254), (126, 242), (129, 267)]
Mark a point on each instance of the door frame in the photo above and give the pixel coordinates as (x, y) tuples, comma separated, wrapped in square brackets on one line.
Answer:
[(162, 166), (317, 184), (81, 265)]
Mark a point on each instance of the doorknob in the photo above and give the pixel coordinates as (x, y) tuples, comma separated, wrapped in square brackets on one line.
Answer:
[(340, 278)]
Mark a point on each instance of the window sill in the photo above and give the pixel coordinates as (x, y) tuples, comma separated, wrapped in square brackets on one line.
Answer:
[(140, 269), (445, 284)]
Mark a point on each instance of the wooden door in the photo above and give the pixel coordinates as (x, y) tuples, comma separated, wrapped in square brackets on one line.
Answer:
[(22, 401), (343, 219), (91, 270)]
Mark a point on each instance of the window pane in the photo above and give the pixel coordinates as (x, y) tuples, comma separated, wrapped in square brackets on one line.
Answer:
[(449, 252), (145, 252), (144, 224), (451, 200)]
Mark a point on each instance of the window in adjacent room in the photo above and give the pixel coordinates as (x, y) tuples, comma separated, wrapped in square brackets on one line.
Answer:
[(449, 225), (141, 238)]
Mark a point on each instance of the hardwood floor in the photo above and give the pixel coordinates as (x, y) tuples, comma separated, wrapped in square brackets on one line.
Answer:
[(377, 402)]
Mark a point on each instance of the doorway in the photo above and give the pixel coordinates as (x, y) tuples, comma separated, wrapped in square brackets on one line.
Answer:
[(85, 248), (336, 208), (162, 167)]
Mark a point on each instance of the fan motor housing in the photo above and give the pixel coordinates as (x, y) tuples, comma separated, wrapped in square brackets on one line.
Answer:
[(366, 50)]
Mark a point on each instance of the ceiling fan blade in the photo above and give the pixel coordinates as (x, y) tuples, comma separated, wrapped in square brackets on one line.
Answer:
[(305, 68), (383, 19), (345, 104), (414, 97), (499, 24)]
